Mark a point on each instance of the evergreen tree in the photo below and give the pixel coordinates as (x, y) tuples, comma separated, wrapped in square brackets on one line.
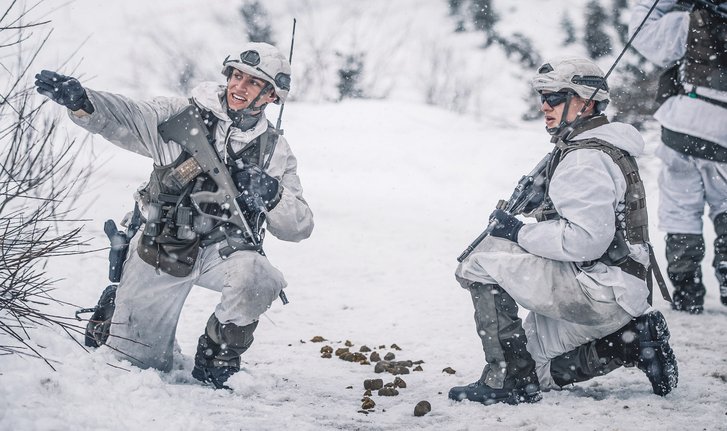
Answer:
[(484, 17), (622, 29), (455, 10), (455, 7), (257, 21), (349, 76), (597, 41), (520, 45), (569, 29)]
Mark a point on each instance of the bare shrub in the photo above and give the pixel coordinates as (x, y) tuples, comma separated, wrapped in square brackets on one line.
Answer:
[(39, 182)]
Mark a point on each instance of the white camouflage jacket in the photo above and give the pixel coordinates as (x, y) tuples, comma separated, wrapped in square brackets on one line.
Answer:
[(132, 125), (586, 189)]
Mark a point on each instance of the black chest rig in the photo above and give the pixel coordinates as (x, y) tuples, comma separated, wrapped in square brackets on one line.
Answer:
[(705, 63), (175, 230)]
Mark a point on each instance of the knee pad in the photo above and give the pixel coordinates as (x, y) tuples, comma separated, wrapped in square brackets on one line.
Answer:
[(235, 339)]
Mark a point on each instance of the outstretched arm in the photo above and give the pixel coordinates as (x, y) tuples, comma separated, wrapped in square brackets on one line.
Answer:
[(130, 124)]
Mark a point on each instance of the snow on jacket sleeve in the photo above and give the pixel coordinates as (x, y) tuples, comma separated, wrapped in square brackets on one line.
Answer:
[(585, 189), (663, 39), (291, 219), (132, 125)]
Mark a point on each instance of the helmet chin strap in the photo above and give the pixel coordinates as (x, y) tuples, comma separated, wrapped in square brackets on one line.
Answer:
[(251, 109), (565, 128), (563, 125)]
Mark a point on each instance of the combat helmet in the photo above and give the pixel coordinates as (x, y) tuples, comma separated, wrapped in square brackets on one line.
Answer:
[(263, 61), (575, 75)]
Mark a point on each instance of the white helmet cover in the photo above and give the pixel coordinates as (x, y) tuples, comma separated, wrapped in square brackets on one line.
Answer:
[(580, 75), (263, 61)]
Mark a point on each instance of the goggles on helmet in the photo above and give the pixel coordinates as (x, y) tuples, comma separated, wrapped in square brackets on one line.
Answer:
[(252, 59)]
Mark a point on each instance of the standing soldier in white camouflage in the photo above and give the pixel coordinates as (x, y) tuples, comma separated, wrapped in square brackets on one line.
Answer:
[(690, 39)]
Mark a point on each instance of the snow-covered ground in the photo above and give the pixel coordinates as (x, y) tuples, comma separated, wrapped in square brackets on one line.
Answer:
[(398, 190)]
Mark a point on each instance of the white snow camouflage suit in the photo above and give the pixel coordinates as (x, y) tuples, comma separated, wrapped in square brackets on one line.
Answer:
[(148, 302), (570, 304)]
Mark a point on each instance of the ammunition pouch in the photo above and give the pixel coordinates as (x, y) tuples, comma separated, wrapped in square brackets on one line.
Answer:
[(168, 242), (170, 255)]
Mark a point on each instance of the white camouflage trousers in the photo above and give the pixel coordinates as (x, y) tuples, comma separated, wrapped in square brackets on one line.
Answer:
[(149, 302), (686, 184), (563, 313)]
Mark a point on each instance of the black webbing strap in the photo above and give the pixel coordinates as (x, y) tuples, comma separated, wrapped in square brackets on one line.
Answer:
[(694, 95), (632, 267), (656, 272)]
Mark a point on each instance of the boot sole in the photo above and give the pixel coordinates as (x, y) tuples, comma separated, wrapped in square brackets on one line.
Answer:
[(524, 397), (206, 379), (514, 398), (97, 329), (662, 369)]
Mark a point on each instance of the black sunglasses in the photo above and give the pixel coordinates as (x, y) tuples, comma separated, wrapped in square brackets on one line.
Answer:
[(554, 99)]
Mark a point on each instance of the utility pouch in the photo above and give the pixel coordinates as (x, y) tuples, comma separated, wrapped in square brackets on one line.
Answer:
[(618, 250), (669, 84), (171, 255)]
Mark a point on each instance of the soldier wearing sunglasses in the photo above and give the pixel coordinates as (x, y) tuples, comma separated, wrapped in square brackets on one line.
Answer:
[(580, 270), (185, 244)]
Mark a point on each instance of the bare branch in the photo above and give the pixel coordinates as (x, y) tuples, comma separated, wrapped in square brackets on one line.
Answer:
[(40, 180)]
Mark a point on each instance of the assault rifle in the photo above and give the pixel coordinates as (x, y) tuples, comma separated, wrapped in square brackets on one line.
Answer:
[(524, 192), (709, 5), (188, 130)]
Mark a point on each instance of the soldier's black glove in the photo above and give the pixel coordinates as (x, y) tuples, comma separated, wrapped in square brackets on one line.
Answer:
[(257, 188), (64, 90), (507, 226)]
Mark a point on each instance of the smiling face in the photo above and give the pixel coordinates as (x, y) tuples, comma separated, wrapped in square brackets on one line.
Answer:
[(242, 89)]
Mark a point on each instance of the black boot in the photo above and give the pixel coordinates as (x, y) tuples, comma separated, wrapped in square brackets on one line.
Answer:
[(219, 350), (99, 325), (721, 273), (509, 377), (643, 342), (720, 255), (517, 389), (684, 255), (688, 292)]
